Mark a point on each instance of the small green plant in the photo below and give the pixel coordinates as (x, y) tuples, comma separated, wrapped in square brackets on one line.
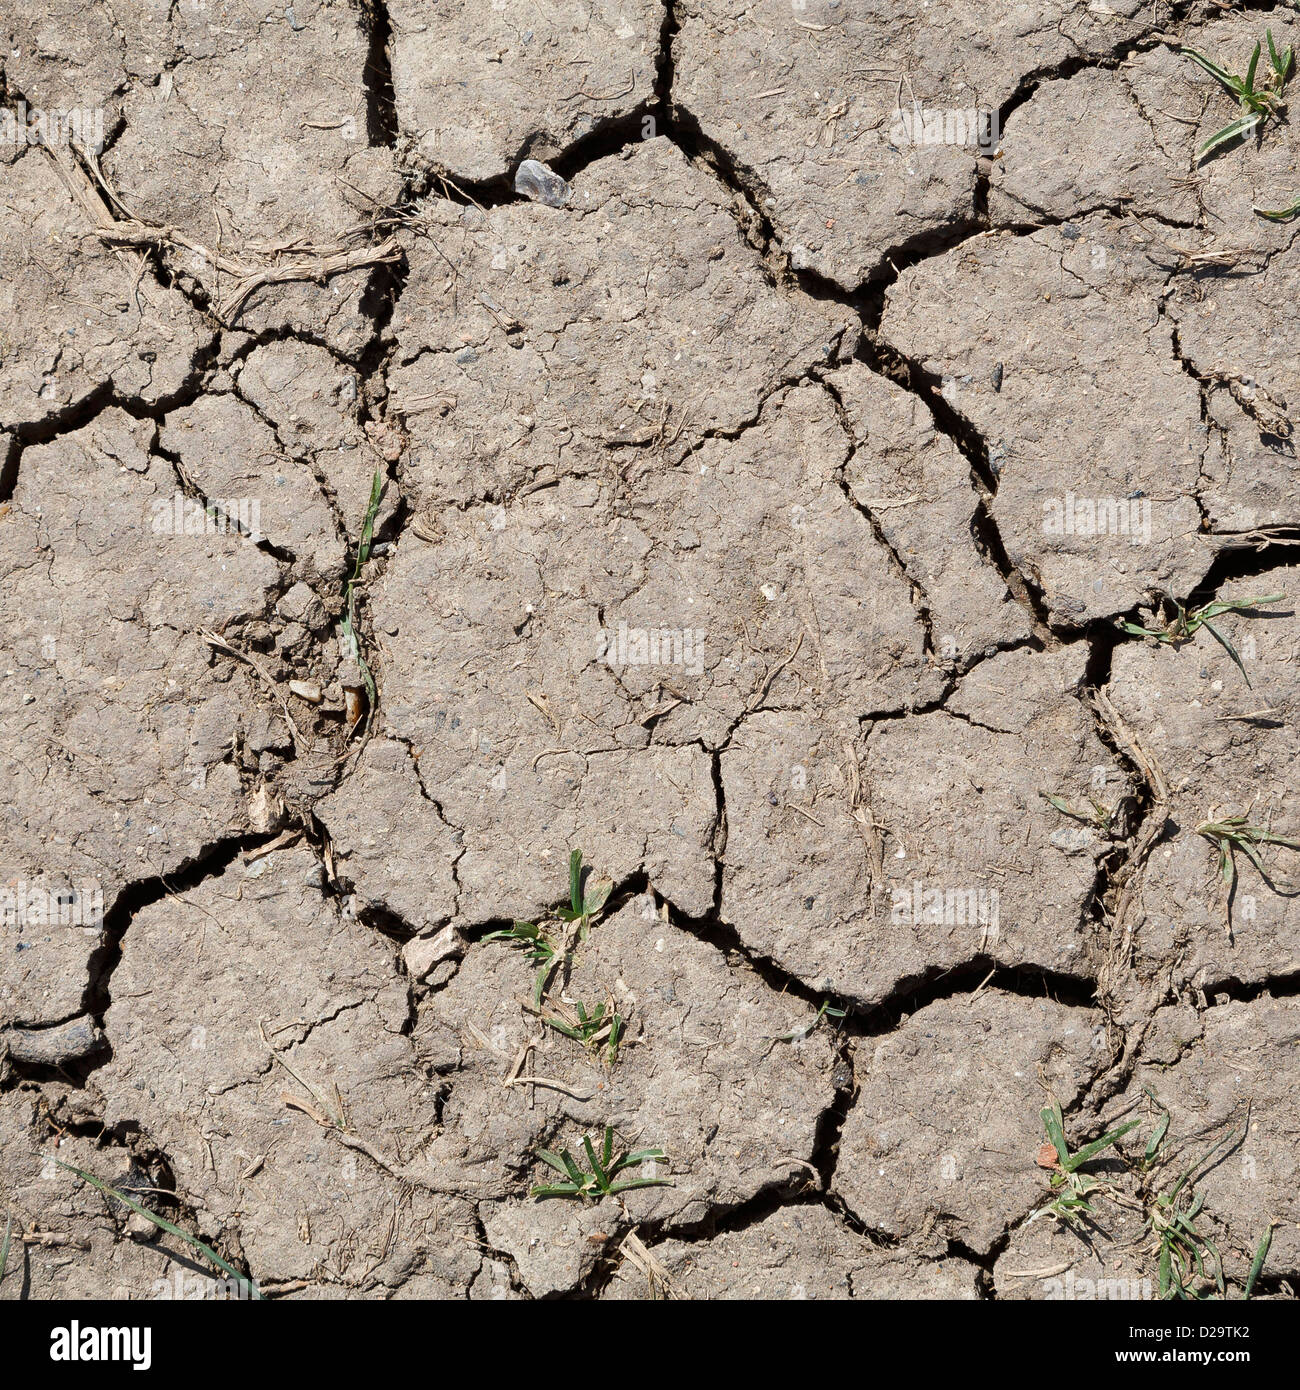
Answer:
[(1100, 815), (350, 635), (1185, 1253), (163, 1225), (1185, 623), (585, 897), (1183, 1250), (600, 1181), (1187, 1258), (805, 1030), (1257, 103), (1232, 833), (1074, 1188), (540, 948), (599, 1030), (4, 1245)]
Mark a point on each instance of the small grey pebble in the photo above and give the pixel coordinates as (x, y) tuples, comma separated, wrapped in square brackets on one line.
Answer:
[(534, 180)]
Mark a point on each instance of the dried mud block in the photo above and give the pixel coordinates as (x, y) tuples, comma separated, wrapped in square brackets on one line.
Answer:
[(563, 688), (804, 102), (523, 737), (1236, 333), (1083, 143), (311, 399), (945, 1128), (701, 1075), (1224, 749), (259, 950), (1246, 1059), (862, 870), (554, 1244), (916, 485), (398, 859), (800, 1252), (78, 318), (1052, 345), (1251, 475), (204, 151), (226, 451), (117, 758), (637, 318), (477, 88)]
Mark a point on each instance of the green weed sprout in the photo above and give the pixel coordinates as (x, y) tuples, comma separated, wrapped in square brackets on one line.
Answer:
[(1185, 624), (1074, 1187), (1232, 833), (1257, 103), (601, 1028), (600, 1180), (350, 591), (540, 948)]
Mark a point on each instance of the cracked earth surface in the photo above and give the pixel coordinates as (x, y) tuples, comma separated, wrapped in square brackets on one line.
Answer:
[(789, 394)]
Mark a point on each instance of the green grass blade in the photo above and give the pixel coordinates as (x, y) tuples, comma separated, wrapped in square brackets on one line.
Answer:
[(1252, 69), (602, 1177), (564, 1028), (1200, 1163), (641, 1156), (9, 1226), (1157, 1137), (639, 1182), (575, 882), (1252, 854), (1091, 1150), (553, 1160), (164, 1225), (1054, 1125), (1233, 84), (572, 1168), (559, 1189), (1279, 214), (1226, 645), (607, 1145), (543, 975), (1233, 131), (1136, 630), (368, 526), (597, 896), (1257, 1264)]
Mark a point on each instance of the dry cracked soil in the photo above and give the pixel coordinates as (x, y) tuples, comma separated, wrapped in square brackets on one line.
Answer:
[(742, 441)]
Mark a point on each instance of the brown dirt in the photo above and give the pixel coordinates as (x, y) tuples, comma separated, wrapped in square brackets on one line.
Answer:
[(717, 540)]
